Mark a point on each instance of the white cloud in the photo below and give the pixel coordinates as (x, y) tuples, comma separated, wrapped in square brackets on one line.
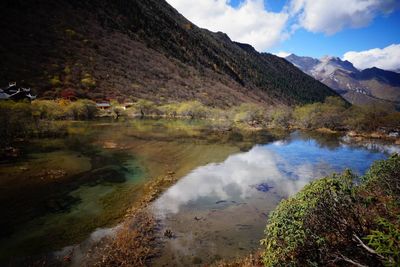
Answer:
[(282, 54), (387, 58), (252, 23), (249, 23), (330, 16)]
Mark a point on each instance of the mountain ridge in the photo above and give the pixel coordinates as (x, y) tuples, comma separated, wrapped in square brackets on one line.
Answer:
[(360, 87), (135, 49)]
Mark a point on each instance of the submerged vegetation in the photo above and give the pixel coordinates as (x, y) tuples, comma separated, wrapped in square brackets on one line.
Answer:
[(333, 221), (135, 242)]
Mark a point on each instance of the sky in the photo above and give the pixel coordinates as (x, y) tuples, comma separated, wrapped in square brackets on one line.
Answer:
[(365, 32)]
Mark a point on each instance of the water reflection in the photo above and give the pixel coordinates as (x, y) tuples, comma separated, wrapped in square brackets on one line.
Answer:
[(388, 148), (285, 166), (220, 210)]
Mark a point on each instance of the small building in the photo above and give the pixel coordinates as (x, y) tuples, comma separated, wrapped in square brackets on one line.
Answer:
[(13, 92), (103, 105)]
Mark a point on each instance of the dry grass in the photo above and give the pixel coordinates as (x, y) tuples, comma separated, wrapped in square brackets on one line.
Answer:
[(253, 260), (135, 242), (326, 130)]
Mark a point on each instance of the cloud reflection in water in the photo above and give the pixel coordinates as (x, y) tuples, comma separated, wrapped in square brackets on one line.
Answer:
[(287, 166)]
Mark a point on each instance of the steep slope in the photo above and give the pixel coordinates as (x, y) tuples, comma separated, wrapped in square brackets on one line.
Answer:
[(359, 87), (306, 64), (328, 65), (138, 49), (388, 77)]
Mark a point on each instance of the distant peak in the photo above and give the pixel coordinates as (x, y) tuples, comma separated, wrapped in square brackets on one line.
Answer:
[(331, 58), (292, 56)]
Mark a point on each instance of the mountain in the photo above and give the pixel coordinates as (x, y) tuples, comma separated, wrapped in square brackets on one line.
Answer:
[(306, 64), (368, 86), (129, 49)]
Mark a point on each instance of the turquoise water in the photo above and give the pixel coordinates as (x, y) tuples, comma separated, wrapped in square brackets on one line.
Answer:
[(61, 190)]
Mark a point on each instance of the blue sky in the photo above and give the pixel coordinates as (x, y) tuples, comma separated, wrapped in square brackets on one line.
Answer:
[(366, 32), (382, 32), (272, 5)]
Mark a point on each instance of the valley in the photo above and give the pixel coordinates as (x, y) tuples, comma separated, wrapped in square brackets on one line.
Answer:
[(170, 133)]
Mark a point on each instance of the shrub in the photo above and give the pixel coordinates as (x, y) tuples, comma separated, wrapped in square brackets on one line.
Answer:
[(288, 237), (55, 81), (82, 109), (280, 117), (170, 110), (325, 222), (88, 81), (386, 241), (333, 112), (48, 109), (22, 120), (15, 120), (385, 175), (146, 107), (391, 120), (193, 109), (249, 113), (318, 115), (366, 118), (118, 112), (307, 116)]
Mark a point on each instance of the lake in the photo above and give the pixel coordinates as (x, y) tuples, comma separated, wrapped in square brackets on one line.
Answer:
[(61, 190)]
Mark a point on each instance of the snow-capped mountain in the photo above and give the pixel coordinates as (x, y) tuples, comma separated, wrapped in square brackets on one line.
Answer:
[(357, 86)]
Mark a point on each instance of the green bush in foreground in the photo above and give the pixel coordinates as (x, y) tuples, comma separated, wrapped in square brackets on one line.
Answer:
[(386, 241), (384, 175), (333, 222), (287, 233)]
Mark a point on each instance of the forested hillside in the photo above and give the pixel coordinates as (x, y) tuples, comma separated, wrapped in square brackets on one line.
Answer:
[(138, 49)]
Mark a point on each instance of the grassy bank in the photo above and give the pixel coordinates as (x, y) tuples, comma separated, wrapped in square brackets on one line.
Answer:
[(20, 120), (45, 118), (333, 114)]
